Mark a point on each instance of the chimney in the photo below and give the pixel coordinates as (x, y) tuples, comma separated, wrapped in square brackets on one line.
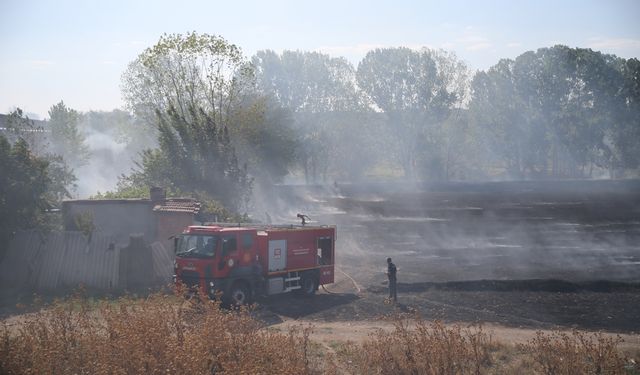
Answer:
[(157, 194)]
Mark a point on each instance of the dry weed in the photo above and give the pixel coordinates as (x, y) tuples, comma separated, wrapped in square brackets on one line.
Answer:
[(165, 334), (426, 348), (419, 347), (159, 334), (577, 353)]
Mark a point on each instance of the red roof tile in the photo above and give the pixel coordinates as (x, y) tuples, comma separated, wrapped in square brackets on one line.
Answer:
[(178, 205)]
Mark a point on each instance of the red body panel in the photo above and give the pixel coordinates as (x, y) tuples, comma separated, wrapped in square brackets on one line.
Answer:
[(302, 247), (303, 250), (326, 274)]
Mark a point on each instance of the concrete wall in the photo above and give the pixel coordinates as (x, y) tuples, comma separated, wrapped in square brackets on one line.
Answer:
[(62, 261), (116, 218)]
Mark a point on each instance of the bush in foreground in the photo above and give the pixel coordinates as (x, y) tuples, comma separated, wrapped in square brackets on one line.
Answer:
[(577, 353), (165, 334), (426, 348), (418, 347), (159, 334)]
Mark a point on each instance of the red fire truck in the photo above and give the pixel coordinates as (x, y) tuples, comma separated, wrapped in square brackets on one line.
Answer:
[(242, 262)]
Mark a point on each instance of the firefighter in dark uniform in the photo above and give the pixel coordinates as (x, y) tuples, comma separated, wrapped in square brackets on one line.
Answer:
[(391, 274)]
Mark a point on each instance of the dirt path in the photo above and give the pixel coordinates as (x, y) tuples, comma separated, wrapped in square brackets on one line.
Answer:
[(335, 321)]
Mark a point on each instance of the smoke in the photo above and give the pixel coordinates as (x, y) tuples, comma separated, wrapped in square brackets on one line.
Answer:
[(108, 161), (573, 231), (115, 141)]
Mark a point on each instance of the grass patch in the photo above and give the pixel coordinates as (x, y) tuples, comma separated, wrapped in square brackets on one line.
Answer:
[(165, 334), (157, 334), (416, 346)]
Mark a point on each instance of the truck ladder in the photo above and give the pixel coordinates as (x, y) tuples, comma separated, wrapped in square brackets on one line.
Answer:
[(292, 281)]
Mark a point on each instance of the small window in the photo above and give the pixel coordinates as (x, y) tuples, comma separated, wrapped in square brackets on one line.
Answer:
[(247, 241), (324, 251), (229, 244)]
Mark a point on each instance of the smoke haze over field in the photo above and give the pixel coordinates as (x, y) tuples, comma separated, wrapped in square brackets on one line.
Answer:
[(573, 231)]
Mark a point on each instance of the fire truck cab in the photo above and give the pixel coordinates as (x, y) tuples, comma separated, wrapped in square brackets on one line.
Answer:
[(242, 262)]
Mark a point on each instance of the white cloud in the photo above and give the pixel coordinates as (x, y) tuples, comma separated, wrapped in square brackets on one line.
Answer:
[(447, 45), (471, 38), (613, 43), (514, 45), (474, 42), (40, 64), (478, 46), (358, 49), (449, 25), (127, 44)]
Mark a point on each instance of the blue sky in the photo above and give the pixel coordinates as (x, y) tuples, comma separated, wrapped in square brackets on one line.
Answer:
[(76, 51)]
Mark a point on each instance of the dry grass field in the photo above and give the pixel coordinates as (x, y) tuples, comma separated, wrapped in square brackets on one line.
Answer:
[(166, 334)]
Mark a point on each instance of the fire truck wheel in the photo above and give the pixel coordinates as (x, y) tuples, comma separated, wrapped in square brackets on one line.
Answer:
[(239, 294), (308, 286)]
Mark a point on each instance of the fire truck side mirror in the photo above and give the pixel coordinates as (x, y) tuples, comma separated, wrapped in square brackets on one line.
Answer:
[(175, 244)]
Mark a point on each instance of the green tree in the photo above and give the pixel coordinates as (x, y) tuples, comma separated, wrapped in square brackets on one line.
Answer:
[(29, 186), (192, 85), (321, 93), (460, 147), (623, 103), (66, 140), (498, 111), (264, 138), (187, 71), (558, 112), (630, 115), (417, 91), (120, 126), (24, 182), (61, 177), (308, 82), (195, 155)]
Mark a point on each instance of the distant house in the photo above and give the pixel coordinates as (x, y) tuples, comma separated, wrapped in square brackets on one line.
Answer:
[(155, 219), (107, 244), (39, 126)]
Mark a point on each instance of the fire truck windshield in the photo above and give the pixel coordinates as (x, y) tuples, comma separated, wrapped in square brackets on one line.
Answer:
[(196, 246)]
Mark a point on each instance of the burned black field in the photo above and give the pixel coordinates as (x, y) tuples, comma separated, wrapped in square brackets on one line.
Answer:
[(527, 254), (572, 231)]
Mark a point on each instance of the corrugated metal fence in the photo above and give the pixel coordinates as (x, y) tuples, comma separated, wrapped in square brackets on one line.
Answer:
[(65, 260)]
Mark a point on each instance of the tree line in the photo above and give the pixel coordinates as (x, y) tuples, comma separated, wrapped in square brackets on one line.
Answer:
[(556, 112), (204, 120)]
